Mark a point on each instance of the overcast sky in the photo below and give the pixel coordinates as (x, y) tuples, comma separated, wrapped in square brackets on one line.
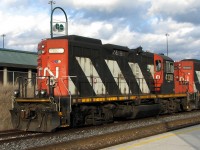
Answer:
[(129, 23)]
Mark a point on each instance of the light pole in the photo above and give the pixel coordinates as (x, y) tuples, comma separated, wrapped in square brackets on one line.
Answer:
[(51, 3), (167, 41), (3, 35)]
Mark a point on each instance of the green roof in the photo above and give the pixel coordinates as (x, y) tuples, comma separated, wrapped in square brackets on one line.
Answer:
[(17, 58)]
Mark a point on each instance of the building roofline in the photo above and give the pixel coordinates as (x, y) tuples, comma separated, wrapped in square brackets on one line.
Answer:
[(18, 65), (18, 51)]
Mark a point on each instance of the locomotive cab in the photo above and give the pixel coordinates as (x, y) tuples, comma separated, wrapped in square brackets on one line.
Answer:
[(187, 81), (187, 76), (163, 74)]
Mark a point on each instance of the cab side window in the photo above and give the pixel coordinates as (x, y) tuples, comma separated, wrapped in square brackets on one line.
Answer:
[(158, 65), (169, 67)]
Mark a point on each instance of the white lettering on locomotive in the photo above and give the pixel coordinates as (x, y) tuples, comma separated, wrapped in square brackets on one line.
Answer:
[(186, 78), (46, 69)]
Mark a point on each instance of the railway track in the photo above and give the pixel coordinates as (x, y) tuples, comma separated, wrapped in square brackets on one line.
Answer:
[(96, 137), (14, 135), (8, 132)]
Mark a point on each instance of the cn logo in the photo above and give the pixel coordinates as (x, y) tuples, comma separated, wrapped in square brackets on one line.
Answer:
[(47, 70), (186, 78)]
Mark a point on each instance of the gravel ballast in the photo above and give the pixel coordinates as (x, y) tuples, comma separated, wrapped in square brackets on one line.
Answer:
[(102, 136)]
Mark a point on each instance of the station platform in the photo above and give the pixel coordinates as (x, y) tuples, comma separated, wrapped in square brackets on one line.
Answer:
[(184, 139)]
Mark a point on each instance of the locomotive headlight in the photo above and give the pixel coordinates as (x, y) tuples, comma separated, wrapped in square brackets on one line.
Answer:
[(16, 93), (41, 52), (43, 93)]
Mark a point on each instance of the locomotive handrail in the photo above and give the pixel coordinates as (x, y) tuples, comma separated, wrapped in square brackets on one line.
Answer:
[(70, 95), (48, 82), (22, 85)]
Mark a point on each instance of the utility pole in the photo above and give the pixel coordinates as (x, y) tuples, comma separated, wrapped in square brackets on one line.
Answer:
[(51, 2), (167, 41), (3, 35)]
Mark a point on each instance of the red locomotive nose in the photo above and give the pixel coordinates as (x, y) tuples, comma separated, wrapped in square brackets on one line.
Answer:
[(184, 74), (54, 64)]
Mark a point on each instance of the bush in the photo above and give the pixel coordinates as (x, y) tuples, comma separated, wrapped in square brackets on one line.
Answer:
[(6, 93)]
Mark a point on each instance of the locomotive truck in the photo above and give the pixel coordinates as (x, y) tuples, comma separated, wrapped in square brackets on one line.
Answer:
[(81, 81)]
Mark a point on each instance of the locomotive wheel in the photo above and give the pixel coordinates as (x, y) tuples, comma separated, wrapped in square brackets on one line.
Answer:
[(77, 119), (171, 106), (93, 119)]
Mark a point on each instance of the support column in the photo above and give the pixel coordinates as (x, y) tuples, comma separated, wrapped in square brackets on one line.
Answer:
[(5, 76), (29, 78)]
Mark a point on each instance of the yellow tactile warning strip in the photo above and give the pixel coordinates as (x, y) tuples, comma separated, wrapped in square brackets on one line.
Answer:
[(158, 138)]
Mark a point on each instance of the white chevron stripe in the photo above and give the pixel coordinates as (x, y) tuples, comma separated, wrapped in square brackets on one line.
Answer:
[(151, 69), (198, 75), (139, 77), (92, 75), (72, 87), (118, 76)]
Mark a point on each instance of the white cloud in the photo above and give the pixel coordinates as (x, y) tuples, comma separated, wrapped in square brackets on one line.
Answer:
[(93, 3), (172, 6), (128, 23), (170, 26), (102, 5), (18, 26), (123, 36)]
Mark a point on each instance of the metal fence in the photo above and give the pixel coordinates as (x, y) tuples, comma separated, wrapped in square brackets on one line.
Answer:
[(13, 75)]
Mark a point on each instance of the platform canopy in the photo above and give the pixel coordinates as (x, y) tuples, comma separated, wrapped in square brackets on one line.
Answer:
[(18, 58)]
